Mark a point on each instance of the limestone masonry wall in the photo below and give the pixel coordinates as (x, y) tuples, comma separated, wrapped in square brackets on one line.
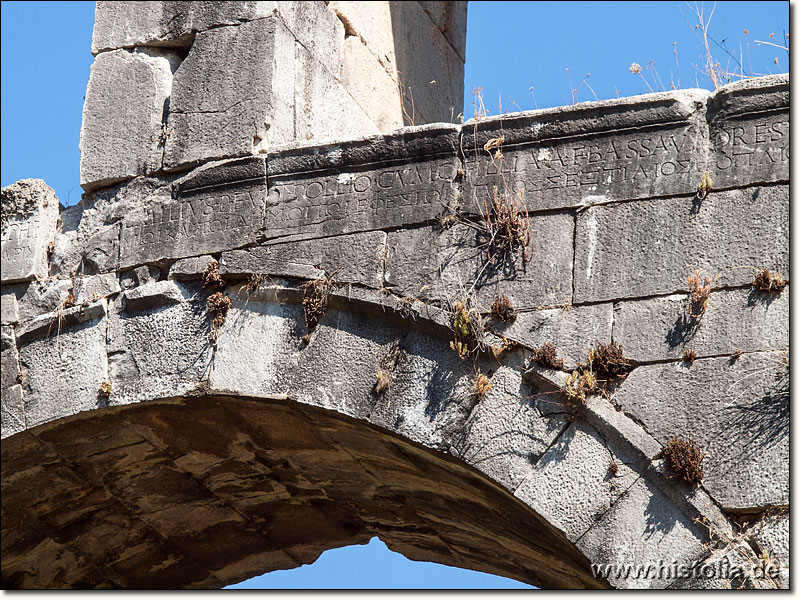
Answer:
[(213, 435)]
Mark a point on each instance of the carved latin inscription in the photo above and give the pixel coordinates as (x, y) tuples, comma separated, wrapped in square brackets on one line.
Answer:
[(621, 165), (215, 210), (360, 200), (756, 143)]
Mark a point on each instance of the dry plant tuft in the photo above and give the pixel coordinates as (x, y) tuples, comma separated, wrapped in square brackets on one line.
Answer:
[(705, 186), (607, 360), (389, 363), (503, 309), (699, 291), (467, 325), (507, 225), (105, 389), (315, 299), (444, 222), (579, 385), (383, 381), (769, 282), (218, 304), (546, 356), (211, 275), (685, 460), (613, 468), (481, 385), (689, 356)]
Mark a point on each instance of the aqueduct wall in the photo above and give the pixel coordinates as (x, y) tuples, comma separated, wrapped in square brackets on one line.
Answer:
[(145, 445)]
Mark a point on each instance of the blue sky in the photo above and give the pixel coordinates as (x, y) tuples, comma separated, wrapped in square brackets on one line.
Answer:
[(511, 48)]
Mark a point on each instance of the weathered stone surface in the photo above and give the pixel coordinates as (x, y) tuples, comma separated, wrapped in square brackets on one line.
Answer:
[(451, 20), (220, 110), (323, 108), (158, 347), (736, 320), (771, 533), (572, 329), (13, 413), (30, 213), (63, 370), (216, 207), (356, 258), (370, 85), (642, 527), (9, 308), (46, 296), (577, 467), (51, 324), (640, 147), (645, 248), (123, 115), (139, 276), (435, 265), (749, 128), (361, 185), (736, 411), (428, 68), (10, 364)]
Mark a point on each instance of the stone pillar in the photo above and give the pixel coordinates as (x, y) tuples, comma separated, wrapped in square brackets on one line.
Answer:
[(176, 84)]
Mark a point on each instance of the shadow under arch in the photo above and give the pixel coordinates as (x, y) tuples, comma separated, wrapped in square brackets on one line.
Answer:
[(209, 489)]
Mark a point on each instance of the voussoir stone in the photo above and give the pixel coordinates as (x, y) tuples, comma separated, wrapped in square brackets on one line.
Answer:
[(650, 247), (736, 410), (123, 115), (29, 217)]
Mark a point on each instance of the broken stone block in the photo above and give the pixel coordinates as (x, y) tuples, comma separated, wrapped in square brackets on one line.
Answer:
[(123, 115), (638, 249), (749, 131), (216, 207), (639, 147), (29, 217), (232, 93), (451, 20), (189, 268)]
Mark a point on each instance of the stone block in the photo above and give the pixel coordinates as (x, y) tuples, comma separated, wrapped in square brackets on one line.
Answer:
[(572, 329), (640, 249), (642, 527), (323, 108), (12, 415), (317, 28), (215, 207), (51, 324), (572, 484), (153, 295), (371, 183), (451, 20), (771, 534), (189, 268), (63, 370), (126, 24), (158, 348), (356, 258), (736, 320), (371, 22), (749, 129), (123, 114), (233, 91), (9, 308), (30, 214), (46, 296), (435, 265), (10, 364), (428, 68), (737, 411), (139, 276), (371, 86), (625, 149)]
